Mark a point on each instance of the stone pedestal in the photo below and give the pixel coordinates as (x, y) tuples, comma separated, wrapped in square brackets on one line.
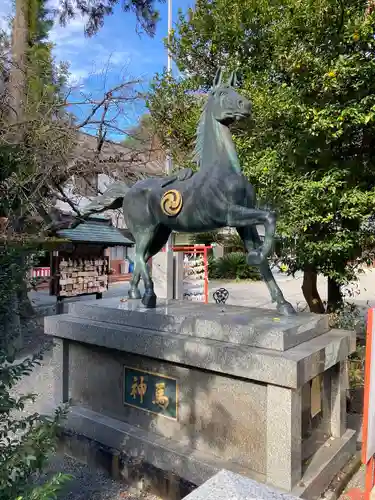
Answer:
[(195, 388)]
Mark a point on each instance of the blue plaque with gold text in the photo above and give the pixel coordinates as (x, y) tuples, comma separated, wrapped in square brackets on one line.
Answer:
[(151, 392)]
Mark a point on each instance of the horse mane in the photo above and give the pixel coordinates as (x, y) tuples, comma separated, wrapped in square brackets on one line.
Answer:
[(199, 135)]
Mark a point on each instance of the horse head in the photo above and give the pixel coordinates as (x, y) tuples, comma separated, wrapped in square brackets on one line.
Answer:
[(227, 105)]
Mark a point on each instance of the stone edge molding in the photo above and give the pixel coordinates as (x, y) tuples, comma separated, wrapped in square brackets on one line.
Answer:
[(298, 364)]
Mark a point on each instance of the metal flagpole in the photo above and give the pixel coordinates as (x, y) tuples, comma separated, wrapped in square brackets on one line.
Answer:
[(168, 159), (169, 61)]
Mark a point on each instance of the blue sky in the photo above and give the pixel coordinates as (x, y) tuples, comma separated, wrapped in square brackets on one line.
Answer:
[(116, 54)]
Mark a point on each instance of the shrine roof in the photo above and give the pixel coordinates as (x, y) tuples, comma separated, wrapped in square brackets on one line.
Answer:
[(95, 232)]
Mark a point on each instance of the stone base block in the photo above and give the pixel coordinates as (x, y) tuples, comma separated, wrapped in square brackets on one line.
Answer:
[(147, 447), (325, 464), (139, 475), (171, 470)]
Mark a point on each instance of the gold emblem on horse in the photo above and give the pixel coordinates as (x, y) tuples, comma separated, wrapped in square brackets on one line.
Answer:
[(171, 203)]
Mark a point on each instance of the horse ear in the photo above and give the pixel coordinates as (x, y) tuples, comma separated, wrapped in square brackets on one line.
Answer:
[(218, 77), (233, 80)]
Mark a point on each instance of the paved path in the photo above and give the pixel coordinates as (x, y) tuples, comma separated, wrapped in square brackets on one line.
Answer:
[(245, 293)]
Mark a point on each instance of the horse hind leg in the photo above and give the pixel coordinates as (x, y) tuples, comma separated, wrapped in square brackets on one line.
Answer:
[(251, 240), (149, 243), (142, 242), (134, 292)]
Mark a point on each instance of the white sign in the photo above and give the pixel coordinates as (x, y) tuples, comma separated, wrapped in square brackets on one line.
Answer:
[(194, 275)]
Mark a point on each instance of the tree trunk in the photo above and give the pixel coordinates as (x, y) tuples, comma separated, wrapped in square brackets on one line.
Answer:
[(335, 300), (17, 73), (26, 309), (310, 291), (14, 294)]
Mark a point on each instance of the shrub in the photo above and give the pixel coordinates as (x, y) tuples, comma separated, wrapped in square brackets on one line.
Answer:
[(26, 440), (234, 243), (232, 266), (207, 238), (351, 317)]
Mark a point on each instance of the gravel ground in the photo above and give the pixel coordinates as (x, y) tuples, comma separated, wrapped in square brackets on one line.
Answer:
[(33, 336), (91, 484), (356, 482), (87, 483)]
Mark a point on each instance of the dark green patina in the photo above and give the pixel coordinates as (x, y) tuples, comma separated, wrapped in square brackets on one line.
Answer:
[(217, 196)]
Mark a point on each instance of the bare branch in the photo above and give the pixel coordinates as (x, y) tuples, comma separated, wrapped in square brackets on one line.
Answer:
[(108, 96), (66, 199), (60, 151)]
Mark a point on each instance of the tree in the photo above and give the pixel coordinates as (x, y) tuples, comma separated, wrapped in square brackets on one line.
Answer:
[(175, 108), (38, 143), (309, 148), (37, 155), (26, 441), (45, 81), (95, 12), (142, 136)]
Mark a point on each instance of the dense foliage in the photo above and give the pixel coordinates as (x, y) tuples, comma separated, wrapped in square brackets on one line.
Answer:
[(308, 68), (232, 266), (45, 79)]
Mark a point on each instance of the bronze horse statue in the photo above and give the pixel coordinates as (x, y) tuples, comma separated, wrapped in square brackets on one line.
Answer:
[(218, 195)]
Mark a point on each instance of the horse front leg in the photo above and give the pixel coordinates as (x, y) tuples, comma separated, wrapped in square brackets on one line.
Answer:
[(242, 217), (251, 240)]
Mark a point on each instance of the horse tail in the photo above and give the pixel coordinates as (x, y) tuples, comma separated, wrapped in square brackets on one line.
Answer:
[(111, 199)]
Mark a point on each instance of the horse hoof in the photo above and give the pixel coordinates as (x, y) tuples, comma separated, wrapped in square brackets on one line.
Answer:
[(286, 309), (134, 293), (149, 300)]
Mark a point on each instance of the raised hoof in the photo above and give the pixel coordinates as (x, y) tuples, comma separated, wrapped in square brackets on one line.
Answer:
[(286, 309), (134, 293), (149, 300)]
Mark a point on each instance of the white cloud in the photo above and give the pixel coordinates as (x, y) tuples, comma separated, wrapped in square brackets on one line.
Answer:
[(95, 64), (86, 57), (5, 13)]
